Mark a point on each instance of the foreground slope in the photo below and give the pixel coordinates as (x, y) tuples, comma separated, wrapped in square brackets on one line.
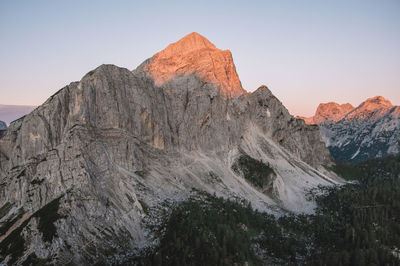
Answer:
[(80, 173)]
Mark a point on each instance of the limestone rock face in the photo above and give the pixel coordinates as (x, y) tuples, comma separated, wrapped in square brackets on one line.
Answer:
[(3, 125), (194, 54), (93, 163)]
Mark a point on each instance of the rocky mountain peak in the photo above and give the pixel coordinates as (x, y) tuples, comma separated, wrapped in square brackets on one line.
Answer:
[(372, 108), (194, 54), (377, 102), (331, 112), (328, 112), (189, 43)]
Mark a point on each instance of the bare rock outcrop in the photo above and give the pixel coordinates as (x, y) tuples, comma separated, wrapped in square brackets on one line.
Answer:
[(331, 112), (194, 54), (328, 112)]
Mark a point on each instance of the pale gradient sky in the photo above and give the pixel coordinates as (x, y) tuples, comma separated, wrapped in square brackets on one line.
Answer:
[(306, 52)]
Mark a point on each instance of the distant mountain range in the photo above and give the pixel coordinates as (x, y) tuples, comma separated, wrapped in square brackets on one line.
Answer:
[(371, 130), (9, 113)]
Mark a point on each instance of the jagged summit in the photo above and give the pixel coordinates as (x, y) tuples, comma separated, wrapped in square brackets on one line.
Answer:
[(376, 102), (194, 54), (331, 112), (189, 43), (371, 108)]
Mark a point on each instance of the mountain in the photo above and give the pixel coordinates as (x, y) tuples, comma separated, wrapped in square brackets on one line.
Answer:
[(85, 174), (196, 55), (3, 125), (372, 130), (328, 112), (331, 112), (9, 113), (372, 109)]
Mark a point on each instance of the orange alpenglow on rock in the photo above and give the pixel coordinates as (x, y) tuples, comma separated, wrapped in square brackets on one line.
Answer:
[(372, 108), (194, 54), (328, 112), (331, 112)]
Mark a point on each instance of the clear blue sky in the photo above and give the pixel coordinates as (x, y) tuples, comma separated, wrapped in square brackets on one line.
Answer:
[(306, 52)]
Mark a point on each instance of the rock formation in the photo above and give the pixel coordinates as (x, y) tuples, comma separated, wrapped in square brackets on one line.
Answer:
[(328, 112), (83, 172), (331, 112), (195, 54)]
